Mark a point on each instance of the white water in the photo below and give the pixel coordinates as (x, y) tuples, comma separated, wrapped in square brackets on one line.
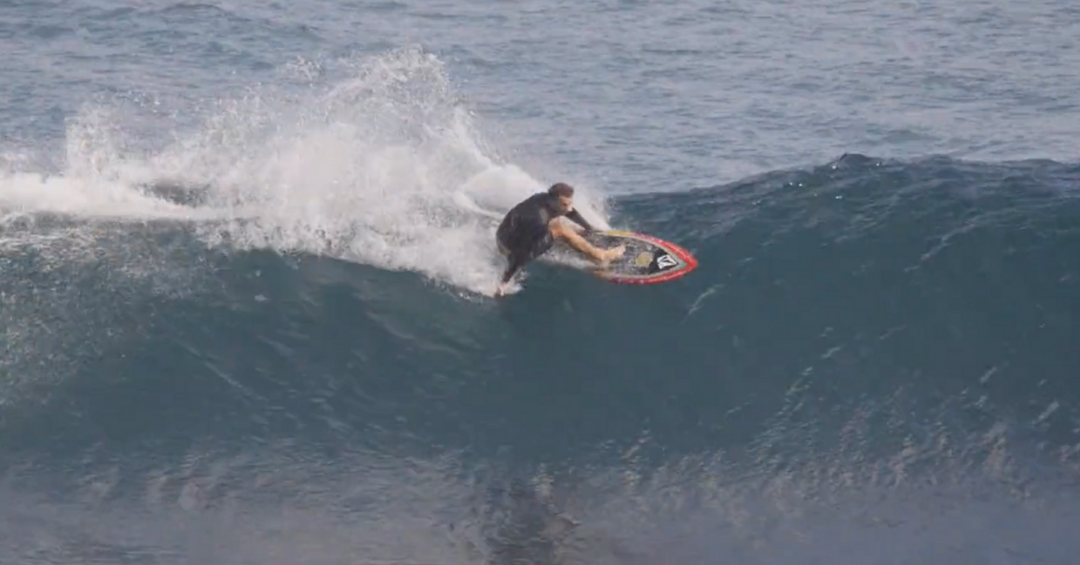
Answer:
[(373, 168)]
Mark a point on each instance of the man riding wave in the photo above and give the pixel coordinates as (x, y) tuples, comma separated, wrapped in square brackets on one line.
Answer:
[(530, 229)]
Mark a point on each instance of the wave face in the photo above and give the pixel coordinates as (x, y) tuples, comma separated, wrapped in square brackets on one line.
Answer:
[(869, 348), (272, 341)]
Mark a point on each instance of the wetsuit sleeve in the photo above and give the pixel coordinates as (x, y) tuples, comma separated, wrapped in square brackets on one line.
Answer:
[(576, 217)]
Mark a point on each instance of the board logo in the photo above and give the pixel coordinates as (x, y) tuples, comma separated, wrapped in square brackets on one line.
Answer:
[(665, 261)]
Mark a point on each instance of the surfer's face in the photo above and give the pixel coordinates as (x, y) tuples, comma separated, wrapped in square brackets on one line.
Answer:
[(566, 203)]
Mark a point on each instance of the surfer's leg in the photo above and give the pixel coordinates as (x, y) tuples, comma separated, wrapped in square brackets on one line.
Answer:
[(522, 249), (515, 261), (571, 236), (518, 245)]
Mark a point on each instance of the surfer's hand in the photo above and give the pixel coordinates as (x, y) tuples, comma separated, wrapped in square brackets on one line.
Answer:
[(614, 253)]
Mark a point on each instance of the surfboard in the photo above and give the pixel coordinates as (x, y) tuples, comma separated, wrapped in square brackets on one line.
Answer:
[(647, 260)]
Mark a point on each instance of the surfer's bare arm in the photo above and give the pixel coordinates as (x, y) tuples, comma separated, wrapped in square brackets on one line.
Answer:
[(569, 235), (577, 219)]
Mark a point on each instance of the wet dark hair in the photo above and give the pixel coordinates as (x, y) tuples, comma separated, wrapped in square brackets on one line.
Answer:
[(561, 189)]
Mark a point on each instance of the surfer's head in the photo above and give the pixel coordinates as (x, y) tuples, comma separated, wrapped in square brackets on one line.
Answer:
[(564, 195)]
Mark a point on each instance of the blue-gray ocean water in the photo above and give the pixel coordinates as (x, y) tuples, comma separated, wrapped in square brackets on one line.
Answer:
[(245, 296)]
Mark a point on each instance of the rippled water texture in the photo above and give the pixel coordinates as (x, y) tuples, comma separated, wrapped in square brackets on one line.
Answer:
[(245, 296)]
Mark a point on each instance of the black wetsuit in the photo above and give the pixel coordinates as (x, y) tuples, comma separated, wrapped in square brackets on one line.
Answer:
[(524, 235)]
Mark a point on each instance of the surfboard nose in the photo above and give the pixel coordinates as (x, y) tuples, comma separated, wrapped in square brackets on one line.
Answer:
[(647, 260)]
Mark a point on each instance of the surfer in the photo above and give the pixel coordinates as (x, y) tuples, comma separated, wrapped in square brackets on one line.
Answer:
[(530, 229)]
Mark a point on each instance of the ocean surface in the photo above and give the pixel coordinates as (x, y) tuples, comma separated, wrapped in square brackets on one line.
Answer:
[(246, 312)]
